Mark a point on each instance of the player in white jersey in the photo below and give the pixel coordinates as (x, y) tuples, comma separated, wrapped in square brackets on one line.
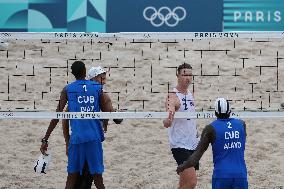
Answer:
[(182, 133)]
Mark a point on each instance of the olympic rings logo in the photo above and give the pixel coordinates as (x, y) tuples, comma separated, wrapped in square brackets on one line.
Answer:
[(164, 16)]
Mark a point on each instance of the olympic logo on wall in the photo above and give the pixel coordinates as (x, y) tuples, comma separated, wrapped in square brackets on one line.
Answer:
[(164, 16)]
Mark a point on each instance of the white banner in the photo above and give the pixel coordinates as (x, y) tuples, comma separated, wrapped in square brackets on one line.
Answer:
[(140, 35), (132, 115)]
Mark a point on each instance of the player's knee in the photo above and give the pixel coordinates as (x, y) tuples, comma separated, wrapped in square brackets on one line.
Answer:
[(98, 180), (98, 176), (190, 184), (193, 183)]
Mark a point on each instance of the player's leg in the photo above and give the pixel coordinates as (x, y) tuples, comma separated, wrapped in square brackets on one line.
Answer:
[(85, 180), (188, 178), (71, 180), (98, 181), (76, 156), (95, 161), (79, 181)]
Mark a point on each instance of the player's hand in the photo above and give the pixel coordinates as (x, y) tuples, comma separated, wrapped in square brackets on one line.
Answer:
[(43, 147), (66, 150), (168, 122), (105, 128), (117, 121), (180, 168)]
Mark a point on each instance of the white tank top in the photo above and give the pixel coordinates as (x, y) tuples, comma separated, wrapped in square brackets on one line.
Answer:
[(183, 132)]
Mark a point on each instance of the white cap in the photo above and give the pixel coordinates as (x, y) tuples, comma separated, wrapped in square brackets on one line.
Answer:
[(95, 71), (42, 163), (222, 106)]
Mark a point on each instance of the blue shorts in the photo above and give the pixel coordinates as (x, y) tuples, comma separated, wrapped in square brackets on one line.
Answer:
[(89, 152), (229, 183)]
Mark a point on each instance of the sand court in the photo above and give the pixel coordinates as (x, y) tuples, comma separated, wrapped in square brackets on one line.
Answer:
[(141, 72)]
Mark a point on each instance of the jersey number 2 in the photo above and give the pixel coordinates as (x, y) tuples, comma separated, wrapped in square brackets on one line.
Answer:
[(229, 125)]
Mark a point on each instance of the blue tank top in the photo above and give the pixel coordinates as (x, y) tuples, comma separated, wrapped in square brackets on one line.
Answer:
[(83, 96), (228, 149)]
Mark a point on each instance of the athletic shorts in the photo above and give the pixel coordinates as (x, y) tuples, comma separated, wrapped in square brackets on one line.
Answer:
[(181, 155), (229, 183), (90, 152)]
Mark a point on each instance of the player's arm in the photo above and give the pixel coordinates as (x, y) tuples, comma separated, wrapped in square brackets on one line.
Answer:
[(109, 107), (61, 104), (65, 129), (208, 136), (105, 107), (245, 127), (172, 104)]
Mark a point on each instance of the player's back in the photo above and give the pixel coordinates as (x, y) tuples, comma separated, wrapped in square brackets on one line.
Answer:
[(83, 96), (228, 148)]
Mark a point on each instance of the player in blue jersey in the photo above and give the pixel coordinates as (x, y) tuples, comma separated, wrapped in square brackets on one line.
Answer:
[(87, 134), (228, 138), (84, 181)]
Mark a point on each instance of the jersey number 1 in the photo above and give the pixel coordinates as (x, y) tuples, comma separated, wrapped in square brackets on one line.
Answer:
[(85, 88)]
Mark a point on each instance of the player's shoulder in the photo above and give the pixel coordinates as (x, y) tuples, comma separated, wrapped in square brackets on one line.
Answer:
[(72, 84), (64, 89), (209, 132), (190, 93), (209, 128), (94, 84), (238, 120)]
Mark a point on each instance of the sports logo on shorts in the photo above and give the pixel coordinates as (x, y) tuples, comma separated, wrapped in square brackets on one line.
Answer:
[(164, 16)]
